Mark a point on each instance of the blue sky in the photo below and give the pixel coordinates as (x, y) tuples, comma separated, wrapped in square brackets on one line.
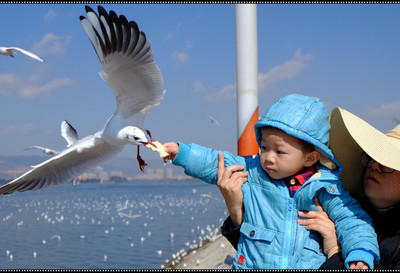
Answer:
[(347, 55)]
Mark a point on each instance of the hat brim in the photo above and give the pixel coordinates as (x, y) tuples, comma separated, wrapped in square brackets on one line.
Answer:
[(350, 136)]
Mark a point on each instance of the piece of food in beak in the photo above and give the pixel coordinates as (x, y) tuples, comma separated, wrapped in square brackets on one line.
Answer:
[(157, 147)]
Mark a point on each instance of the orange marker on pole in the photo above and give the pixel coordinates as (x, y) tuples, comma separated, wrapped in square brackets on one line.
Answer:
[(246, 77)]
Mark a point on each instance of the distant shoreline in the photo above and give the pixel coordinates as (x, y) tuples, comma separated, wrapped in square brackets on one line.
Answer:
[(91, 181)]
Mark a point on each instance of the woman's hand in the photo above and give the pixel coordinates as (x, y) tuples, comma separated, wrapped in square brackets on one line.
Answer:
[(230, 181), (319, 221)]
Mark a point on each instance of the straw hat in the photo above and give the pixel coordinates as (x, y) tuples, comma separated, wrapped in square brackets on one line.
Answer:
[(350, 136)]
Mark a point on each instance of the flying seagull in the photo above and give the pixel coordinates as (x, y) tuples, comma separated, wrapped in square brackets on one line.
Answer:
[(45, 150), (134, 77), (67, 131), (213, 120), (10, 51)]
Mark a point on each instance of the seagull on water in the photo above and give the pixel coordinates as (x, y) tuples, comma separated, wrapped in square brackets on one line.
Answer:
[(134, 77), (10, 51), (67, 131)]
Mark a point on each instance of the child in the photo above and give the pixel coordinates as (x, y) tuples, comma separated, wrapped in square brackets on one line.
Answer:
[(294, 166)]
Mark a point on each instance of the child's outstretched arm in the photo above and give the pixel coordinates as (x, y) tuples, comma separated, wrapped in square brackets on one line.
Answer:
[(199, 161)]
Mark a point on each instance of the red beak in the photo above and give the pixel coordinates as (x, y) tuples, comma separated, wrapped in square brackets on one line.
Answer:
[(149, 142)]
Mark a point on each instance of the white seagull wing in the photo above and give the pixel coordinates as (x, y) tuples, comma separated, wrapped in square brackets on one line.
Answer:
[(127, 60), (69, 133), (30, 54), (63, 167)]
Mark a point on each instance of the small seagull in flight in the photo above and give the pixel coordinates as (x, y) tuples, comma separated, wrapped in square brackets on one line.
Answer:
[(67, 131), (10, 51), (213, 120), (45, 150)]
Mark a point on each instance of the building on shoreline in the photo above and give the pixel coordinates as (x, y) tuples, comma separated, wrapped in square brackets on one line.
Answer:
[(98, 174)]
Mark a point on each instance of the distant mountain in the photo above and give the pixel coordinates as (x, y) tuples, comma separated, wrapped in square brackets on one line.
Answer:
[(10, 162), (129, 166)]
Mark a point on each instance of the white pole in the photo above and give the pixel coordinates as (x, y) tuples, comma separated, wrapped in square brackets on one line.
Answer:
[(246, 77)]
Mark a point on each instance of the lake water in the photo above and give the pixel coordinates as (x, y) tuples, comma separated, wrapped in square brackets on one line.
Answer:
[(136, 225)]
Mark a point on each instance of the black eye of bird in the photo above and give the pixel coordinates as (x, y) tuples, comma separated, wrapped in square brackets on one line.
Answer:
[(136, 138)]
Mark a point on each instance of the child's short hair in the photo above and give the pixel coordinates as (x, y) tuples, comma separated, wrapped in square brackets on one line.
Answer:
[(306, 147)]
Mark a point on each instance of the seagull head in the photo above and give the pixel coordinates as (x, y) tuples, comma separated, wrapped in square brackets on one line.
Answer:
[(135, 136)]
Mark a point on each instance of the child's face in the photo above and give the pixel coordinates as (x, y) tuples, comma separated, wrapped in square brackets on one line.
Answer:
[(281, 154)]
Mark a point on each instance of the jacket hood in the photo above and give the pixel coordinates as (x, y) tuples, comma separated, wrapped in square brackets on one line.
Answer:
[(300, 116)]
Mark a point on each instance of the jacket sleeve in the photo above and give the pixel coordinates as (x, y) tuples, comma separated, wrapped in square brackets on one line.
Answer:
[(354, 228), (202, 163), (231, 233)]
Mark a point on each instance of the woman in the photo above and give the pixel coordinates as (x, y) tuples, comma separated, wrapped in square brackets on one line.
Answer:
[(371, 172)]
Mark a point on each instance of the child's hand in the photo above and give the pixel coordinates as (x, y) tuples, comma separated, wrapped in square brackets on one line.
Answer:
[(172, 148), (230, 181), (358, 265)]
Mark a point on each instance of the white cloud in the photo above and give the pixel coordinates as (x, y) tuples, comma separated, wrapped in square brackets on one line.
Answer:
[(385, 110), (189, 44), (7, 80), (31, 87), (180, 57), (285, 71), (198, 87), (227, 92), (4, 92), (52, 44), (20, 130), (169, 36), (32, 91), (50, 15)]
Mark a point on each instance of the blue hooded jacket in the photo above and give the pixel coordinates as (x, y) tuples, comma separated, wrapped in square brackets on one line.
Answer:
[(270, 236)]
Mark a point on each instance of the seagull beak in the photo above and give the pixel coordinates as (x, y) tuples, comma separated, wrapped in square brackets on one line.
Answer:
[(149, 142)]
